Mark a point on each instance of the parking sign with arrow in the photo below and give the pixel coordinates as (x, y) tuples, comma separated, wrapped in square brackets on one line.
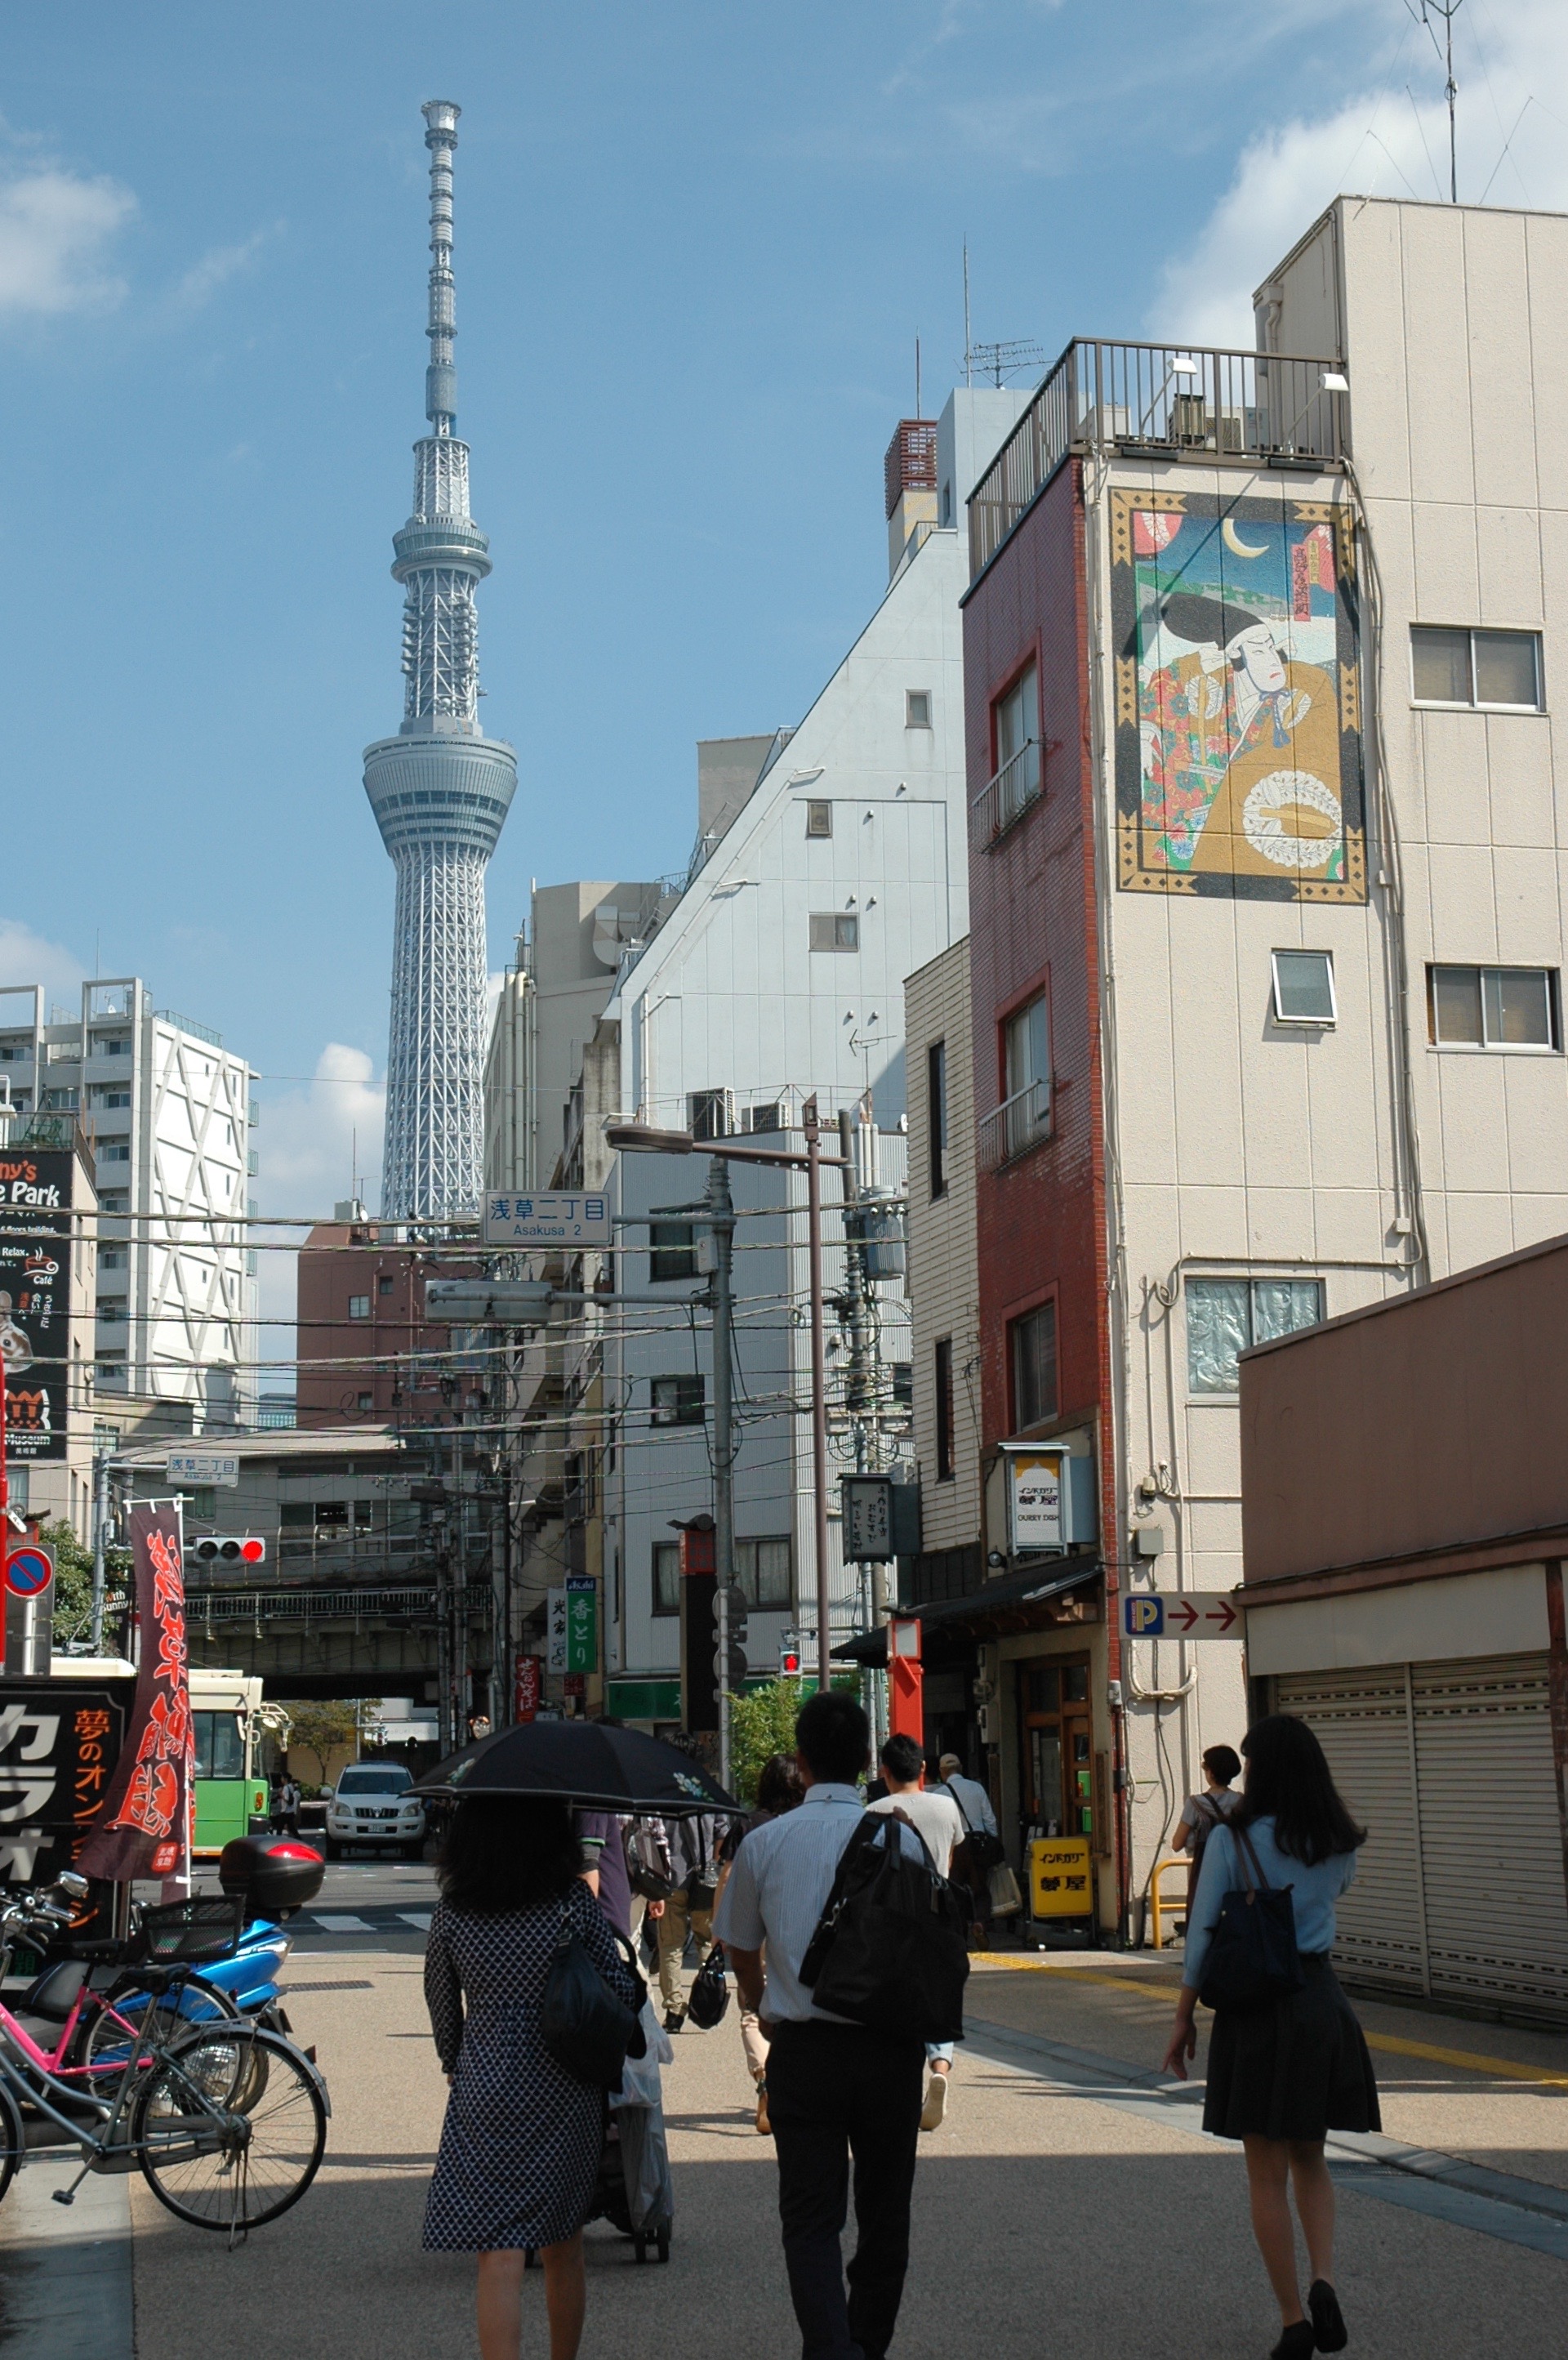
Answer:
[(1181, 1614)]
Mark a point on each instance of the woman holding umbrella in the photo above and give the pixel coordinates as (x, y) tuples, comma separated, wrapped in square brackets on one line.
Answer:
[(520, 2148)]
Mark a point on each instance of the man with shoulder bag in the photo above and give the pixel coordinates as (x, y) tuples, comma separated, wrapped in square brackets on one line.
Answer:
[(695, 1873), (982, 1850), (865, 1963)]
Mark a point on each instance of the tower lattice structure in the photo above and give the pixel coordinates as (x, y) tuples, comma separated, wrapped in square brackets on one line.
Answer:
[(439, 790)]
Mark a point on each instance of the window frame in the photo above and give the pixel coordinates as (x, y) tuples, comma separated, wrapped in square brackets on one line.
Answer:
[(946, 1410), (670, 1551), (1472, 632), (674, 1392), (747, 1572), (359, 1306), (1014, 1327), (936, 1118), (1251, 1280), (840, 920), (922, 697), (818, 821), (1300, 1023), (1550, 1047)]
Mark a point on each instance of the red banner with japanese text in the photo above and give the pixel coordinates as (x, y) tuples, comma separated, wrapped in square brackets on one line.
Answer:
[(142, 1829)]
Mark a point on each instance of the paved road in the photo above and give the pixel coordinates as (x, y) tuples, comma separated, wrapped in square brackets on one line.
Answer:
[(1069, 2202)]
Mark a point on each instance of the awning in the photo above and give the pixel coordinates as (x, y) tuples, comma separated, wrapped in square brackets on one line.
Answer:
[(1006, 1604)]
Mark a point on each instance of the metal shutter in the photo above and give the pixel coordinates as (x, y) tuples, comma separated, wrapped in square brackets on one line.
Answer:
[(1497, 1912), (1362, 1721)]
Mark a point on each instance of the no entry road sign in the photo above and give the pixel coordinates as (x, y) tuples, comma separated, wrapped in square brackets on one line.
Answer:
[(28, 1571), (1181, 1614)]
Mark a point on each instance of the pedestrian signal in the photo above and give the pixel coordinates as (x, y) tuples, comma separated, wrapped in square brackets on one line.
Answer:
[(790, 1661), (232, 1549)]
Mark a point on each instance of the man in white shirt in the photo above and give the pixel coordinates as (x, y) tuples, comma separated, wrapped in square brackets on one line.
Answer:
[(834, 2089), (938, 1820)]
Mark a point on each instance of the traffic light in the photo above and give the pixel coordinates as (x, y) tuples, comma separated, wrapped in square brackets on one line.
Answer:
[(228, 1551), (790, 1658), (731, 1674)]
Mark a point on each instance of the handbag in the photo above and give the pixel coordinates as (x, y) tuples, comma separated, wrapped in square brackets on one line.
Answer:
[(587, 2027), (710, 1993), (889, 1951), (1003, 1886), (648, 1869), (1253, 1960), (982, 1850)]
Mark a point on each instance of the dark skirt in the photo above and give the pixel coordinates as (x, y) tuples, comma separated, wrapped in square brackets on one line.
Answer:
[(1295, 2070)]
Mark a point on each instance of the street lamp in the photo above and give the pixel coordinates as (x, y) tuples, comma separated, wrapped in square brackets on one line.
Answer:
[(647, 1139)]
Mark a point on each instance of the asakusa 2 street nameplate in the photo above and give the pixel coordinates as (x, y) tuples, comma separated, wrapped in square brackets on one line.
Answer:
[(546, 1217)]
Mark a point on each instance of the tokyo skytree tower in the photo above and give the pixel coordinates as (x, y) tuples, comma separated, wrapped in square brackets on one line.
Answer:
[(439, 790)]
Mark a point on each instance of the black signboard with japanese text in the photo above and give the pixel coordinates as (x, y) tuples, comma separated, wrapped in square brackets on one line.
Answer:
[(59, 1740), (35, 1297)]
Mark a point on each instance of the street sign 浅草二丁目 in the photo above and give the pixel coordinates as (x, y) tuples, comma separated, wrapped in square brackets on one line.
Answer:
[(545, 1217), (1181, 1614)]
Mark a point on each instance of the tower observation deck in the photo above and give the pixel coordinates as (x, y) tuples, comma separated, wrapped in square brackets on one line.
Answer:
[(440, 789)]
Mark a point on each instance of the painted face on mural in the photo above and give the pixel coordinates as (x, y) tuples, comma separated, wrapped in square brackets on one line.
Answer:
[(1255, 652)]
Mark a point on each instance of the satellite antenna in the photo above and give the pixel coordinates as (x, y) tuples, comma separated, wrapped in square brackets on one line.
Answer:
[(1429, 9)]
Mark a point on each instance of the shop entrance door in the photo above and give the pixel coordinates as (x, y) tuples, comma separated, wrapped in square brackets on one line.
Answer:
[(1057, 1765)]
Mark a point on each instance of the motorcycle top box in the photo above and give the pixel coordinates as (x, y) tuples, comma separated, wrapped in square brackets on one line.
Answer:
[(273, 1874)]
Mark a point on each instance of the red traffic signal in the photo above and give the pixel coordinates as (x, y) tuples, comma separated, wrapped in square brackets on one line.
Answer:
[(226, 1550), (788, 1663)]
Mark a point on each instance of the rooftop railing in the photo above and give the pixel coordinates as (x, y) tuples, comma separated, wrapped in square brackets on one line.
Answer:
[(1175, 401)]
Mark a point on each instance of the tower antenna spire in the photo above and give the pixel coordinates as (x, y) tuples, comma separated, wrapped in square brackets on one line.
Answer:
[(440, 789)]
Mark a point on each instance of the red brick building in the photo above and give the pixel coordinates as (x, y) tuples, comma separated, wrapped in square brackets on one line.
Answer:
[(365, 1349)]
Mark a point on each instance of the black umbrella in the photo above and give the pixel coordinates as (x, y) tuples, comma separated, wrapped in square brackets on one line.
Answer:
[(585, 1762)]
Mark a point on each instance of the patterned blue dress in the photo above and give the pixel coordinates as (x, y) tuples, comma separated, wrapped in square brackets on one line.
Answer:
[(520, 2148)]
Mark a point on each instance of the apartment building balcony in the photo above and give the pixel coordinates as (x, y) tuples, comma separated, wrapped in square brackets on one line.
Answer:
[(1162, 401)]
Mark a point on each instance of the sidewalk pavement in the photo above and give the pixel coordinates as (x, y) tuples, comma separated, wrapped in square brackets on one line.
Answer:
[(1067, 2202)]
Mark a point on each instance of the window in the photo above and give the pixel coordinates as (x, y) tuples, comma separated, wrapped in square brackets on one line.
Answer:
[(1493, 1008), (367, 1401), (676, 1401), (1032, 1341), (105, 1095), (917, 708), (946, 1465), (1226, 1314), (903, 1373), (113, 1200), (667, 1576), (385, 1282), (296, 1515), (835, 930), (203, 1505), (112, 1151), (331, 1515), (111, 1307), (762, 1569), (61, 1101), (111, 1257), (819, 819), (672, 1252), (709, 1114), (1016, 780), (219, 1744), (1303, 987), (936, 1116), (1497, 669), (359, 1306), (1024, 1115)]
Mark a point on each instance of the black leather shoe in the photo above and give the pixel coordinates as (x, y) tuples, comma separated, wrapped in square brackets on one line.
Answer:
[(1328, 2320), (1297, 2342)]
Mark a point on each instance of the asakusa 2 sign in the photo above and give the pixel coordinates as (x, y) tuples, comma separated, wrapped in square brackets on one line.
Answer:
[(35, 1299)]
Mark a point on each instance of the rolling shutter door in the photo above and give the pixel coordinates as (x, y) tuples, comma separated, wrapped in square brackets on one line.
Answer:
[(1496, 1911), (1362, 1721)]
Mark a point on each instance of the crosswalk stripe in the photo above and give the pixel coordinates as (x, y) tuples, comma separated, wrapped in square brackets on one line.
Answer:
[(418, 1918), (342, 1925)]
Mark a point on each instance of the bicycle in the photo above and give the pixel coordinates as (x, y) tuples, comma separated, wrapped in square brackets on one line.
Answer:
[(225, 2120)]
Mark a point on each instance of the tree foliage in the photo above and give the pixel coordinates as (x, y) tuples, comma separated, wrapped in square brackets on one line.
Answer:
[(318, 1728), (762, 1723)]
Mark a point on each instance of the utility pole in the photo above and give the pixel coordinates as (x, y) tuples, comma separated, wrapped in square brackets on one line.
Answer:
[(812, 1129), (721, 1222), (99, 1544), (861, 1392)]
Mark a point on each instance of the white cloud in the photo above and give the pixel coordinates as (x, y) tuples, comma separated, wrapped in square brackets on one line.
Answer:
[(215, 268), (56, 229), (311, 1143), (27, 957), (1381, 143)]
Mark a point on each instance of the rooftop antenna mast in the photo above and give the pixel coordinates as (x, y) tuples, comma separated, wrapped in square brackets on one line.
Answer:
[(1430, 8), (919, 411), (968, 346)]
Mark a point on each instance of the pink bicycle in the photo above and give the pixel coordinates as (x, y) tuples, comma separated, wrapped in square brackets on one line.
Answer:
[(227, 2123)]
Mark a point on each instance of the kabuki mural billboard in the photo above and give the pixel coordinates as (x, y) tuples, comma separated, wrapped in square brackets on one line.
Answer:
[(1238, 717)]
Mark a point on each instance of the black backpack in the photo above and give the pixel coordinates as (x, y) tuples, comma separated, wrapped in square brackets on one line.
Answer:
[(1252, 1959), (891, 1949), (648, 1870)]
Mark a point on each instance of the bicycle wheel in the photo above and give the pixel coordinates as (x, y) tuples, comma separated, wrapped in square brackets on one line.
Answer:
[(231, 2127), (104, 2042), (12, 2140)]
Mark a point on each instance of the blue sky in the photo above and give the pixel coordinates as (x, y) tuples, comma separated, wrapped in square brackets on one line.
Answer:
[(694, 245)]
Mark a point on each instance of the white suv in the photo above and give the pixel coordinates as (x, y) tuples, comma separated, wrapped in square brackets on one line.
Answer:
[(372, 1803)]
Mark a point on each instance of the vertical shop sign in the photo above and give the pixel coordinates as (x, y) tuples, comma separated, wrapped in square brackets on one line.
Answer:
[(35, 1299), (144, 1829), (582, 1622)]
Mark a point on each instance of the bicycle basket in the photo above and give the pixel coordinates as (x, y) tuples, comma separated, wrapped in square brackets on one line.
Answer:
[(189, 1933)]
